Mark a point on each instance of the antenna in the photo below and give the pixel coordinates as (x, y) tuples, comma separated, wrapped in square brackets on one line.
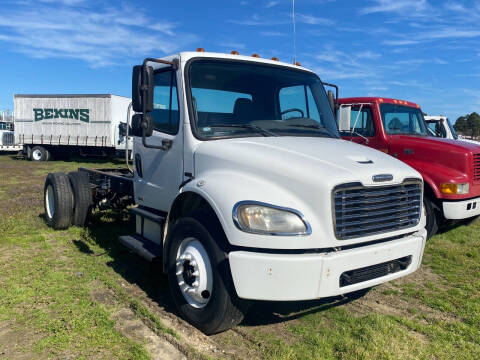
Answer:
[(294, 33)]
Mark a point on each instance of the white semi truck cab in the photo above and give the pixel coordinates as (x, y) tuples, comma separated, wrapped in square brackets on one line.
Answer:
[(440, 126), (245, 191)]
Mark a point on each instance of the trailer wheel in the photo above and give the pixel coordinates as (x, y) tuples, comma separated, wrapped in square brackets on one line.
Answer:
[(82, 197), (200, 280), (39, 153), (432, 217), (58, 201)]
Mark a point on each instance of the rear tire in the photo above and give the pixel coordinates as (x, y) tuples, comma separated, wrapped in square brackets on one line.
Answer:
[(58, 201), (432, 216), (82, 197), (221, 308), (39, 153)]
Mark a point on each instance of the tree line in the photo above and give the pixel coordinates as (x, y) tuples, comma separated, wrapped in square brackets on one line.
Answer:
[(468, 125)]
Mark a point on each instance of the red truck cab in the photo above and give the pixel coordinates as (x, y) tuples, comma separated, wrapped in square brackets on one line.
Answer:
[(450, 168)]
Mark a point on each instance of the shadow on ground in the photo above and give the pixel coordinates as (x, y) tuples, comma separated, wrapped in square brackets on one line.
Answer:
[(104, 230)]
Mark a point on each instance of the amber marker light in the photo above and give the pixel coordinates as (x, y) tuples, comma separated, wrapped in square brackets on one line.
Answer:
[(297, 63), (200, 50), (255, 55), (275, 58), (454, 188), (234, 52)]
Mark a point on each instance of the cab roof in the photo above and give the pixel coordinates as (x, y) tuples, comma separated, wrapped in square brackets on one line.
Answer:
[(376, 100)]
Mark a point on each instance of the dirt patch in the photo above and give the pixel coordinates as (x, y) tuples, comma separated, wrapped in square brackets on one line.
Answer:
[(130, 326), (16, 344)]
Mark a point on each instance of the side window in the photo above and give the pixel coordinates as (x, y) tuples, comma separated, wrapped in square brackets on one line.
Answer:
[(364, 122), (298, 101), (165, 103)]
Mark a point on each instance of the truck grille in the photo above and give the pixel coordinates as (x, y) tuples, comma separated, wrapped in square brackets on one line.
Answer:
[(375, 271), (476, 167), (361, 211), (8, 139)]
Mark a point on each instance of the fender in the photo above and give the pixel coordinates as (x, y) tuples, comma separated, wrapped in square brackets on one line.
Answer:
[(434, 174)]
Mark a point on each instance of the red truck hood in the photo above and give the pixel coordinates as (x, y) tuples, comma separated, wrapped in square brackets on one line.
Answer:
[(441, 160)]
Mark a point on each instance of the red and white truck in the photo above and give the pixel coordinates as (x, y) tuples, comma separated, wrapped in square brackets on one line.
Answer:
[(450, 168)]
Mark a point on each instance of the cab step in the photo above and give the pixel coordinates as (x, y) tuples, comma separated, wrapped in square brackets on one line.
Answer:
[(142, 246), (144, 213)]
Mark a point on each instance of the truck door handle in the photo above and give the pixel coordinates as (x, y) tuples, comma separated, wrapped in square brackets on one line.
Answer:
[(166, 144)]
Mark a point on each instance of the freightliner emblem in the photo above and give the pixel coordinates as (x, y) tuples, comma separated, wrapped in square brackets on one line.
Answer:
[(382, 177)]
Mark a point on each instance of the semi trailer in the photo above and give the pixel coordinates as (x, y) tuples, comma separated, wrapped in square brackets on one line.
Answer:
[(66, 125), (244, 190), (450, 168)]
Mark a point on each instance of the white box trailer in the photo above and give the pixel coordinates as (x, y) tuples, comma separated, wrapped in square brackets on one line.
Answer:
[(68, 124)]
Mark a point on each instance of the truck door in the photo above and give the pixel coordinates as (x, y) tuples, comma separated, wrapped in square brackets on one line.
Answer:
[(159, 172), (362, 128)]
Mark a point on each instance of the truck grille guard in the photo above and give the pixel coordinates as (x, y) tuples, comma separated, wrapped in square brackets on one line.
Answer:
[(361, 211)]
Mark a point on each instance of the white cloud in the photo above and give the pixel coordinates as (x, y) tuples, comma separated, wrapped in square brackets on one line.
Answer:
[(271, 4), (400, 42), (410, 7), (96, 35), (312, 20), (272, 33)]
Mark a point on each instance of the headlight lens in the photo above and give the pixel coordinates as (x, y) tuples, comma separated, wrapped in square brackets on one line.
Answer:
[(454, 189), (265, 219)]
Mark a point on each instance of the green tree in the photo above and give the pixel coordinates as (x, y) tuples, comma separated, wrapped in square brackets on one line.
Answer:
[(473, 122), (461, 125)]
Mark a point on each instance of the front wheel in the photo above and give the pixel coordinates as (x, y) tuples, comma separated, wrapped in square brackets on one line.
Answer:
[(39, 153), (432, 217), (200, 280)]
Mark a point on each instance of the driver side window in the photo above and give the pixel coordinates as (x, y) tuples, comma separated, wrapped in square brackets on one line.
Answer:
[(165, 103), (297, 101)]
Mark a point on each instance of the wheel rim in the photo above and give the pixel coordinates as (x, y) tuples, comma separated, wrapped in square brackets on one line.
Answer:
[(50, 201), (37, 155), (194, 273)]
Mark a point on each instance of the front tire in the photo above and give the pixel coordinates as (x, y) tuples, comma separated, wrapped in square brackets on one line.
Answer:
[(432, 216), (58, 201), (200, 280)]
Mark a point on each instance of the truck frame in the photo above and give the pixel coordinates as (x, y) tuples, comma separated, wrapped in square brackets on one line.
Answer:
[(450, 168), (240, 198)]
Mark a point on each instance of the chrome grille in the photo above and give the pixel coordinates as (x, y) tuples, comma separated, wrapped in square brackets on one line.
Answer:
[(8, 139), (476, 167), (361, 211)]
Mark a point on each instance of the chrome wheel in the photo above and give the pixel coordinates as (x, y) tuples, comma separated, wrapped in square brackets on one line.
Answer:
[(37, 155), (50, 201), (194, 273)]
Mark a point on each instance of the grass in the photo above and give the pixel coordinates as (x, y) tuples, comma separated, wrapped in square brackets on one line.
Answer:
[(50, 307)]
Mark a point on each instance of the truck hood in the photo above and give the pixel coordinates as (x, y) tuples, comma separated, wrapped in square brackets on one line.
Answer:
[(319, 159), (292, 172), (452, 158)]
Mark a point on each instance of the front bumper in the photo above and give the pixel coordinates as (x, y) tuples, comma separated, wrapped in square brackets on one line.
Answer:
[(287, 277), (457, 210)]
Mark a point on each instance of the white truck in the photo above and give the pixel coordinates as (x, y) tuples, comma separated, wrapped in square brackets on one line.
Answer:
[(440, 126), (7, 138), (63, 125), (244, 190)]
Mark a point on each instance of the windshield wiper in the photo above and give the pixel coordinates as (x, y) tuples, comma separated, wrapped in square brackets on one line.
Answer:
[(323, 129), (257, 128)]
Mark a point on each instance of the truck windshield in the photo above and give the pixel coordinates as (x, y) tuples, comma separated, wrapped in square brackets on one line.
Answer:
[(403, 120), (452, 129), (237, 99)]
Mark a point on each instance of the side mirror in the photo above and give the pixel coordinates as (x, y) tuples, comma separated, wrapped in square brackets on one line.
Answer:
[(140, 122), (138, 82), (344, 118), (331, 100)]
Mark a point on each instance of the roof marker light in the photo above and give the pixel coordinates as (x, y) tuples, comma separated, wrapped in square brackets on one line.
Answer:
[(200, 50), (395, 101), (234, 52), (381, 100), (297, 63), (275, 58), (255, 55)]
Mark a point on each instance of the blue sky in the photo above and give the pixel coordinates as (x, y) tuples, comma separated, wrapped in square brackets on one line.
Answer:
[(423, 51)]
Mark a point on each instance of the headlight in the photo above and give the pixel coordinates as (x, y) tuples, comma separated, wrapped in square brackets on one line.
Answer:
[(454, 189), (259, 218)]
